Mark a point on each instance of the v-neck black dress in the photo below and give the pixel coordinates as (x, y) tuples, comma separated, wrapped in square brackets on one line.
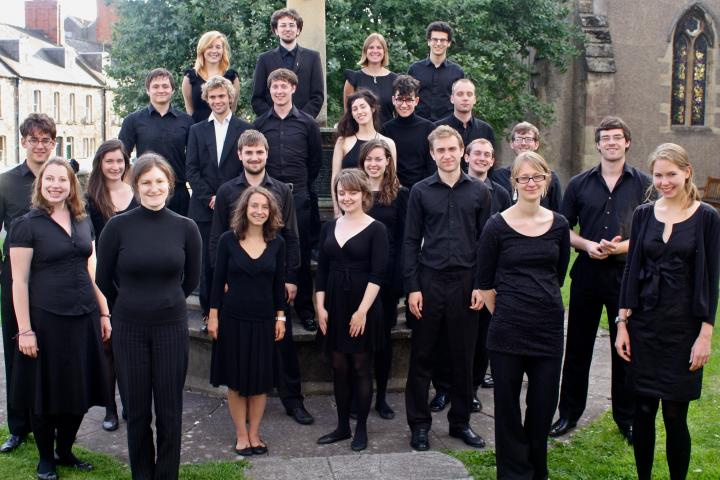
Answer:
[(343, 274), (242, 355)]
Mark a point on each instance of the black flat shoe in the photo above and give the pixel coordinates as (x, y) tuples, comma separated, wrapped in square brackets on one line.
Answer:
[(244, 452), (300, 415), (476, 406), (468, 436), (259, 449), (419, 440), (110, 423), (334, 436), (13, 442), (73, 462), (384, 410), (359, 442), (561, 427), (439, 402), (50, 475)]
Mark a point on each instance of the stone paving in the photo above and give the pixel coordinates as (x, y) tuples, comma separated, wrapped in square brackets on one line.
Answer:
[(209, 435)]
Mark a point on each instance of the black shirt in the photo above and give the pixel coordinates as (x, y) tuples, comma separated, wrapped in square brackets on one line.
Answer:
[(551, 201), (97, 219), (146, 130), (59, 279), (603, 214), (295, 147), (435, 87), (500, 197), (15, 191), (148, 263), (381, 86), (393, 217), (443, 226), (225, 199), (474, 129), (413, 150), (288, 56)]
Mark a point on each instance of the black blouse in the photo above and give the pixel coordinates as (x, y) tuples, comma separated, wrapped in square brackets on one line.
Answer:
[(201, 109), (97, 219), (59, 279), (381, 86), (393, 217)]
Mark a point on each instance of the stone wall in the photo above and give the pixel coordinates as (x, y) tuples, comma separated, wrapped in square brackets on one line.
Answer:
[(7, 122)]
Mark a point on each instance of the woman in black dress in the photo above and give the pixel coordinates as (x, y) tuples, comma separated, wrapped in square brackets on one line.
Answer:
[(62, 317), (373, 75), (109, 195), (148, 263), (525, 252), (213, 59), (353, 259), (247, 317), (389, 207), (668, 301)]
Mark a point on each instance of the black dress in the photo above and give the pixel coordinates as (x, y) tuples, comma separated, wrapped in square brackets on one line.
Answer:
[(343, 274), (201, 109), (663, 328), (69, 374), (97, 219), (242, 356), (350, 160), (381, 86)]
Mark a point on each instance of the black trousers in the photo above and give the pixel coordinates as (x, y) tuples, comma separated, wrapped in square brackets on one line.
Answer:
[(521, 447), (286, 369), (206, 274), (594, 284), (180, 200), (18, 418), (446, 309), (151, 365), (303, 303)]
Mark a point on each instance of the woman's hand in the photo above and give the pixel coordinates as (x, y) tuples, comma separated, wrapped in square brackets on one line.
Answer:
[(279, 330), (105, 328), (700, 352), (322, 318), (213, 325), (622, 342), (357, 323), (27, 344)]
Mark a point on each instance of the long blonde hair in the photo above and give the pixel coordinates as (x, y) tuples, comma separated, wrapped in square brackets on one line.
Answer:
[(678, 156), (207, 39)]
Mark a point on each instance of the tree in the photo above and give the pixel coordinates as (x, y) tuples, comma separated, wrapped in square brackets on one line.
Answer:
[(493, 40)]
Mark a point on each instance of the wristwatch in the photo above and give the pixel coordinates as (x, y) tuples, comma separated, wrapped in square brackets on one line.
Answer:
[(620, 320)]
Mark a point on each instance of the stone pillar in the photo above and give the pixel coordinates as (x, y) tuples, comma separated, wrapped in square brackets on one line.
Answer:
[(313, 36)]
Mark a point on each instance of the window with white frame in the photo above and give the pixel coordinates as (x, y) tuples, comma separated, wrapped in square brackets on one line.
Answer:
[(72, 108), (37, 101), (56, 106), (88, 109)]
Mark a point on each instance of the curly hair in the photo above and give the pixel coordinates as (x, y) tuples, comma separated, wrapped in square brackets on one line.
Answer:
[(239, 221), (74, 202)]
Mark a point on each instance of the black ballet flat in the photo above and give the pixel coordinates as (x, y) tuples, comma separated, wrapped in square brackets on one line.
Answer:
[(334, 436), (384, 410), (73, 462), (244, 452), (259, 449)]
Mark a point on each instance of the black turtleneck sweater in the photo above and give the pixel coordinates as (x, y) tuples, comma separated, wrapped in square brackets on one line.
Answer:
[(148, 263), (413, 150)]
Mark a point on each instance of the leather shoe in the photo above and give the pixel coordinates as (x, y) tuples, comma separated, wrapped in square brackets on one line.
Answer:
[(561, 427), (244, 452), (51, 475), (419, 439), (259, 449), (439, 402), (309, 324), (334, 436), (73, 462), (11, 443), (627, 433), (359, 442), (488, 381), (301, 415), (468, 436), (384, 410), (110, 423), (476, 405)]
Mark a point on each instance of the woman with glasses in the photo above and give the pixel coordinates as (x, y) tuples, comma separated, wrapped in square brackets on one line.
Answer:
[(526, 250)]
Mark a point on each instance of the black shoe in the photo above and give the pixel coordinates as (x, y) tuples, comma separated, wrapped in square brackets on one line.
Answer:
[(419, 440), (476, 405), (439, 402), (110, 424), (259, 449), (627, 433), (49, 475), (384, 410), (12, 443), (468, 436), (73, 462), (300, 415), (359, 442), (488, 381), (244, 452), (561, 427), (309, 324), (334, 436)]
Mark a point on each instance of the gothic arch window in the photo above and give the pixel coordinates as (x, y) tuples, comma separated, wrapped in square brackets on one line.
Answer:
[(692, 42)]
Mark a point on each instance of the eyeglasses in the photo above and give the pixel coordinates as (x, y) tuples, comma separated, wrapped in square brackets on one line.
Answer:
[(614, 138), (439, 40), (535, 178), (45, 141), (401, 100), (522, 140)]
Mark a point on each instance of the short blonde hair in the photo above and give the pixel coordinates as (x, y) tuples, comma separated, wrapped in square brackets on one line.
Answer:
[(206, 40), (374, 37), (534, 160), (217, 82), (445, 131)]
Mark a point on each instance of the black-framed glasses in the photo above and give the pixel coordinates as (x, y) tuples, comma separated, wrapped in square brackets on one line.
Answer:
[(44, 141), (401, 100), (540, 177), (527, 140)]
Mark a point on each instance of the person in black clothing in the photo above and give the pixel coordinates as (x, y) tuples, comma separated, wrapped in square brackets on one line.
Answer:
[(38, 139), (149, 261), (670, 286), (409, 132), (210, 164), (469, 127), (213, 59), (108, 195), (353, 258), (247, 312), (436, 73), (373, 75), (62, 318), (287, 24), (525, 137), (389, 208), (446, 213), (161, 128), (295, 159), (526, 251), (601, 199), (253, 153)]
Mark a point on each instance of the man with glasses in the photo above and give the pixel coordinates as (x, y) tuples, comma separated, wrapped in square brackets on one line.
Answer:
[(602, 200), (526, 137), (38, 139), (436, 74)]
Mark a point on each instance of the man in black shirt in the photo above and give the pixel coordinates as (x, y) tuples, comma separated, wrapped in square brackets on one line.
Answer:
[(252, 149), (38, 139), (446, 213), (409, 132), (287, 24), (461, 119), (162, 129), (436, 73), (602, 199), (295, 158)]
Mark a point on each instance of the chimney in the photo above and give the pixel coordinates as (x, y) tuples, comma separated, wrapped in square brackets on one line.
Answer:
[(44, 17), (106, 18)]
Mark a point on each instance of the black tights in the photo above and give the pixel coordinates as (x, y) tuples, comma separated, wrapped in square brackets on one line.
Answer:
[(352, 375), (44, 430), (677, 443)]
